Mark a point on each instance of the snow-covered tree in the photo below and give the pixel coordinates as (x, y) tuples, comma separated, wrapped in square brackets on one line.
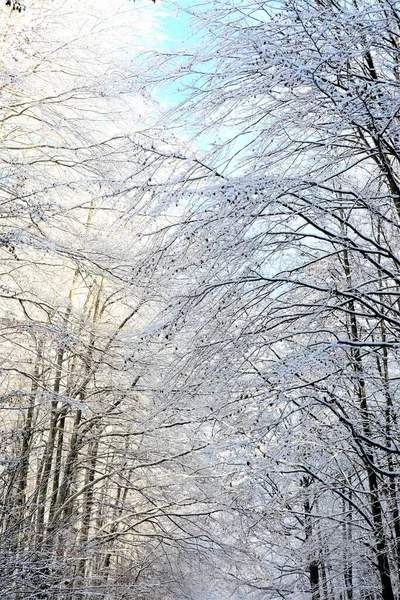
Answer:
[(89, 501), (284, 329)]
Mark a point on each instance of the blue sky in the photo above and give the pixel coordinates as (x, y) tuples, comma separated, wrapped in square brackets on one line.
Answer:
[(176, 26), (175, 30)]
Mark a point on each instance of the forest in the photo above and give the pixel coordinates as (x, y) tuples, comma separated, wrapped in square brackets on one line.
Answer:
[(200, 300)]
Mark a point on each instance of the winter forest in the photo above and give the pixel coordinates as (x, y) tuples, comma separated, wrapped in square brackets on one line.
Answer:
[(200, 300)]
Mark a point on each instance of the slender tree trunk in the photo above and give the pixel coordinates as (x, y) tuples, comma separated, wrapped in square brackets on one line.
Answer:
[(347, 543), (87, 506), (313, 567), (381, 547)]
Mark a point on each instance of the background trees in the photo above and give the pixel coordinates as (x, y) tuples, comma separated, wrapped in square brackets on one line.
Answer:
[(89, 506)]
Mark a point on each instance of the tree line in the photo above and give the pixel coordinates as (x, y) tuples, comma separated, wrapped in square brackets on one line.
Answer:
[(200, 303)]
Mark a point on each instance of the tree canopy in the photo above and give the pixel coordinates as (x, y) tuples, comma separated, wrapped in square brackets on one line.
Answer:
[(199, 301)]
